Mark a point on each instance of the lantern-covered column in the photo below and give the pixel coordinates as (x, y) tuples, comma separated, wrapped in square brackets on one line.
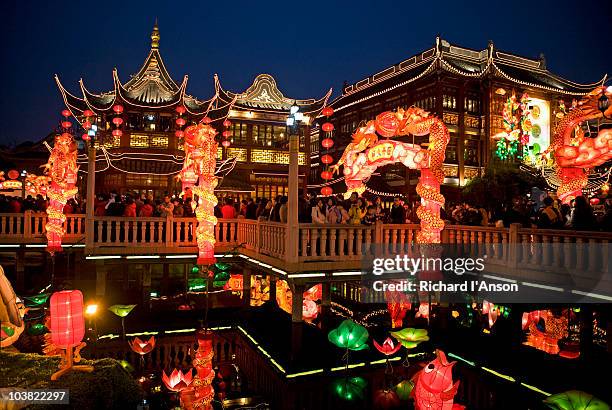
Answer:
[(199, 166), (62, 170)]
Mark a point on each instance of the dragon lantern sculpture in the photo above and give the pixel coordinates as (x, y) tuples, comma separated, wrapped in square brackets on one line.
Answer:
[(574, 154), (198, 173), (61, 170), (366, 153)]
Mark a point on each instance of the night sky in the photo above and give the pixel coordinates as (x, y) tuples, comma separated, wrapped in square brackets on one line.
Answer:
[(308, 46)]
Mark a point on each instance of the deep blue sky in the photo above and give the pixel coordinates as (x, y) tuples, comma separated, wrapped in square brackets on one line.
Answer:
[(308, 46)]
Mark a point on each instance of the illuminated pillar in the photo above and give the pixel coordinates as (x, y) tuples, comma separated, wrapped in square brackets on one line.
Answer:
[(292, 203), (91, 197)]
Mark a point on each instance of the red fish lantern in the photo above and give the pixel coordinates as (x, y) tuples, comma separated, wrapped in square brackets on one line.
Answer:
[(434, 388), (67, 326)]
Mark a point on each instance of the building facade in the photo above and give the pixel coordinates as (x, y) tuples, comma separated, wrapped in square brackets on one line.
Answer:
[(464, 87), (140, 124)]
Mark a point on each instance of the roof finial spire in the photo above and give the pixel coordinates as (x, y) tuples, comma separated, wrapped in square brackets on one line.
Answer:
[(155, 36)]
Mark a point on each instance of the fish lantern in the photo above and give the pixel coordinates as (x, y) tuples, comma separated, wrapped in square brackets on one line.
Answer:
[(68, 328), (434, 388)]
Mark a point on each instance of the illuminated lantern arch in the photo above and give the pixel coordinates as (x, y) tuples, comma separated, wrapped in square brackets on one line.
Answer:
[(366, 153)]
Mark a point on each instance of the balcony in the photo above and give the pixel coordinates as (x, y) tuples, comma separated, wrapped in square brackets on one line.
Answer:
[(333, 252)]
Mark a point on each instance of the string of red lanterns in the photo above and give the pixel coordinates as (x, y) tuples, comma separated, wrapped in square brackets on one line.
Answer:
[(88, 114), (118, 109), (226, 134), (327, 143), (180, 121)]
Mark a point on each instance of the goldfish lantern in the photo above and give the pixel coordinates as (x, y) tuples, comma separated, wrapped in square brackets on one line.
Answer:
[(68, 328), (434, 388)]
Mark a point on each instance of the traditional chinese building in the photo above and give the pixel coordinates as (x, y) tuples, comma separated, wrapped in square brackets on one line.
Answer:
[(467, 89), (140, 123)]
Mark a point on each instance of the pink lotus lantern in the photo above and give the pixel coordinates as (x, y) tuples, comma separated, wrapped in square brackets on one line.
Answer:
[(177, 381)]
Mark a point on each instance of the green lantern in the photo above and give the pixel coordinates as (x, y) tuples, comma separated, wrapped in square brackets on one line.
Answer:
[(575, 400), (404, 389), (36, 300), (350, 388), (410, 337), (349, 335), (37, 329), (222, 266), (196, 284), (122, 311), (195, 270)]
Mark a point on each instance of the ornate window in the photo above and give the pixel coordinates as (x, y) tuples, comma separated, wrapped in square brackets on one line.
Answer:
[(239, 133), (139, 141), (241, 153), (262, 135), (274, 157), (159, 142)]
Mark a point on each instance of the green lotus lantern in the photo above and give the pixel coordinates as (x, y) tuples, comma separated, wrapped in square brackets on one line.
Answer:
[(350, 388), (575, 400), (122, 311), (410, 338), (196, 284), (349, 335)]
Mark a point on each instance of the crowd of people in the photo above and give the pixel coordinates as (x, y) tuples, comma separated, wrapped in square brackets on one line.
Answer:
[(549, 214)]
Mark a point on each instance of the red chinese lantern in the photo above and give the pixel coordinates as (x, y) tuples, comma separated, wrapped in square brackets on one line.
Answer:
[(85, 137), (66, 113), (327, 159), (13, 174), (206, 120), (66, 124), (326, 175), (117, 121), (327, 191), (67, 322), (179, 134), (226, 143), (181, 109), (327, 127), (87, 125), (226, 133), (117, 133), (227, 123), (327, 143), (180, 122), (118, 108), (594, 201), (88, 113), (328, 111)]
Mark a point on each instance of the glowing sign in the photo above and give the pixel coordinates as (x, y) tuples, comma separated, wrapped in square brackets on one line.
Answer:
[(540, 120), (380, 152)]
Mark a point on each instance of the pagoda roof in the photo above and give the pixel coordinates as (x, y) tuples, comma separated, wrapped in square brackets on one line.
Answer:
[(264, 95), (464, 62), (151, 88)]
